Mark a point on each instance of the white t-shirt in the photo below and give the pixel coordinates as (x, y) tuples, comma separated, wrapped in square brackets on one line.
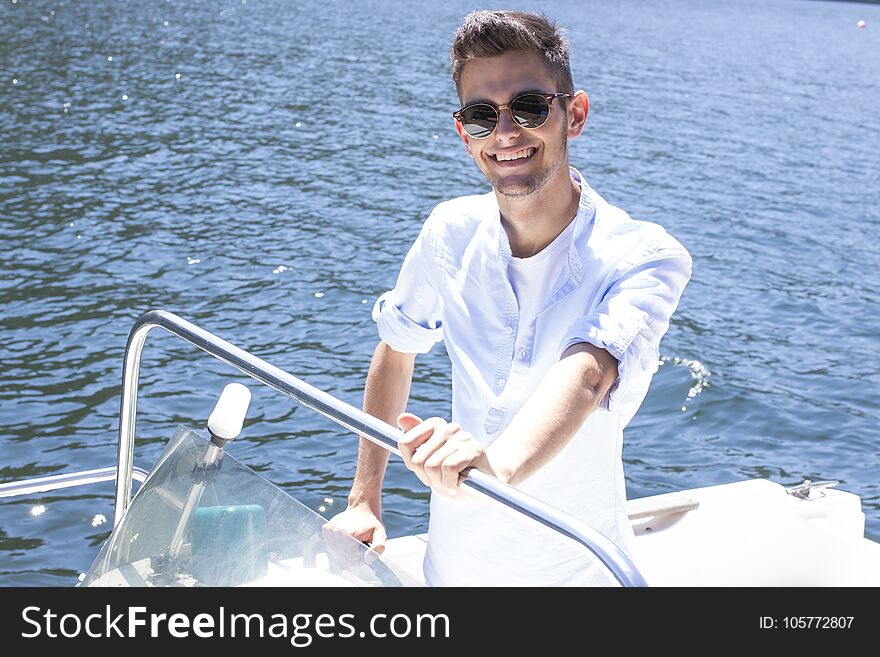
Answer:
[(535, 278)]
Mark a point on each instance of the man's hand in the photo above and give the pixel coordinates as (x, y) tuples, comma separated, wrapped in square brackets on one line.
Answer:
[(360, 522), (438, 452)]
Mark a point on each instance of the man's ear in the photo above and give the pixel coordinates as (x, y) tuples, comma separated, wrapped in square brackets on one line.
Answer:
[(578, 111), (465, 137)]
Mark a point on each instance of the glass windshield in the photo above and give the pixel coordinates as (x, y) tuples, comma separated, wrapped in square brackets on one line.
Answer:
[(202, 518)]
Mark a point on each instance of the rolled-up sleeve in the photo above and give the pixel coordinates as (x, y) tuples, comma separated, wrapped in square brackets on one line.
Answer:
[(409, 317), (632, 316)]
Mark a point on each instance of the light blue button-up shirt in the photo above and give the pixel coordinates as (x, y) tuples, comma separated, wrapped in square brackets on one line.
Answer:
[(618, 289)]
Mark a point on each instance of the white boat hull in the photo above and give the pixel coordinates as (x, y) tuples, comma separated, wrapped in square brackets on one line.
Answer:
[(748, 533)]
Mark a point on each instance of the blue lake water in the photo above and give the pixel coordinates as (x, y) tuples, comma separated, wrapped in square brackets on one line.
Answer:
[(260, 167)]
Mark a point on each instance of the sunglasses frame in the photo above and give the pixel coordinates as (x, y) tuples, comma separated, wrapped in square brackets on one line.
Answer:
[(506, 106)]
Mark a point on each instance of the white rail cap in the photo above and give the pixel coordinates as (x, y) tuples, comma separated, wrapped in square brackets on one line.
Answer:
[(228, 415)]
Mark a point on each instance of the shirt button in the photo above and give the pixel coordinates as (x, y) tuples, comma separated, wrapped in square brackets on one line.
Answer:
[(499, 383), (508, 330), (524, 354)]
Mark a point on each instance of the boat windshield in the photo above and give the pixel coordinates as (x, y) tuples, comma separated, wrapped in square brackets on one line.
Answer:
[(197, 521)]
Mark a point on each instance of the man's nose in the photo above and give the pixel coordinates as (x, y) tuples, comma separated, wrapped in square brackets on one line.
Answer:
[(507, 128)]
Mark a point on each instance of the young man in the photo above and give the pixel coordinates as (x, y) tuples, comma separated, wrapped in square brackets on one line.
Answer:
[(552, 304)]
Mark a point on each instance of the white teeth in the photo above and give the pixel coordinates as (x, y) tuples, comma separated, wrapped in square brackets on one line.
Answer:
[(525, 152)]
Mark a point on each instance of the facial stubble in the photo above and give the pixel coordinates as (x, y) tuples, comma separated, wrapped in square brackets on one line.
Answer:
[(515, 189)]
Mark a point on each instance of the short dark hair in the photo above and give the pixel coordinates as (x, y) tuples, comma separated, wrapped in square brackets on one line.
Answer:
[(493, 33)]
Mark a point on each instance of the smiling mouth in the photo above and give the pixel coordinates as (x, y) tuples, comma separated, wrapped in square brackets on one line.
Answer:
[(522, 154)]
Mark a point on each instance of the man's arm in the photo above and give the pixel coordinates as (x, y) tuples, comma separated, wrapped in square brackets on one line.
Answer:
[(570, 391), (385, 397)]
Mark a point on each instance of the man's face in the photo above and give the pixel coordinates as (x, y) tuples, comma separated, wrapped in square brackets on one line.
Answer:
[(499, 80)]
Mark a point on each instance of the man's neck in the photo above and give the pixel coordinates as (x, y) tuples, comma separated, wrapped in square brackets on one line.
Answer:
[(532, 222)]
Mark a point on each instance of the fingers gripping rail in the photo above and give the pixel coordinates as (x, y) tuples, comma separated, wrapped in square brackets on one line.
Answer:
[(354, 419)]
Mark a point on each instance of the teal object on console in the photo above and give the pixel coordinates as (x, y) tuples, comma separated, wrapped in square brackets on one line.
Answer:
[(229, 544)]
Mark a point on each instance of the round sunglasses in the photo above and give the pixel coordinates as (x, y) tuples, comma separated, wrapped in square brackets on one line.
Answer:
[(529, 111)]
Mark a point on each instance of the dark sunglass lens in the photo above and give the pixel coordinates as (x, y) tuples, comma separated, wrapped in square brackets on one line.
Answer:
[(530, 111), (479, 120)]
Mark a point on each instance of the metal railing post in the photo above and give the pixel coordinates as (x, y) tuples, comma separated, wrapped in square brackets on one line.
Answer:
[(128, 416)]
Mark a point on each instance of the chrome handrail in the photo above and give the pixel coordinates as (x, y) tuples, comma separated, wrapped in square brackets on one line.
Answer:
[(354, 419), (66, 480)]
